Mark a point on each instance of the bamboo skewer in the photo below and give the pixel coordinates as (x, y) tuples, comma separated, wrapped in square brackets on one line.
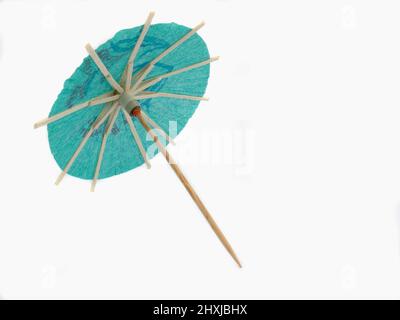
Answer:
[(110, 125), (93, 102), (136, 137), (151, 95), (93, 54), (189, 188), (156, 126), (135, 50), (100, 119), (158, 78)]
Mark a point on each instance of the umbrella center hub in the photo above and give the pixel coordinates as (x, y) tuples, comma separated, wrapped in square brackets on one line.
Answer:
[(128, 101)]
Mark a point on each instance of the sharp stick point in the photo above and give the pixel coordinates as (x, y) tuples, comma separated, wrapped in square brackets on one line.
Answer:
[(189, 189)]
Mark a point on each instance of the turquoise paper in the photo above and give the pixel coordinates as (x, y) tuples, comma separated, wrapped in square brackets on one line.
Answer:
[(121, 153)]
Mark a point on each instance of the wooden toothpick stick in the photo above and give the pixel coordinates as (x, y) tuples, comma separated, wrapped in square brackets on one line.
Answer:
[(189, 188), (135, 50), (93, 102), (151, 95), (136, 137), (158, 78), (100, 119), (156, 126), (109, 126), (93, 54)]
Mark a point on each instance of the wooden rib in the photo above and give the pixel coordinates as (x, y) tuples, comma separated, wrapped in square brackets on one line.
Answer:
[(136, 137), (156, 126), (150, 95), (142, 75), (177, 43), (146, 85), (93, 102), (158, 78), (190, 190), (167, 51), (93, 54), (134, 77), (135, 50), (100, 119), (110, 124)]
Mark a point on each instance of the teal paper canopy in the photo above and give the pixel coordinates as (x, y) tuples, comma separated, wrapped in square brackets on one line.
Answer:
[(121, 153)]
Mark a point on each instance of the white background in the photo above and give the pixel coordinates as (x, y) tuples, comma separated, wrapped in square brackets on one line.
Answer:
[(308, 192)]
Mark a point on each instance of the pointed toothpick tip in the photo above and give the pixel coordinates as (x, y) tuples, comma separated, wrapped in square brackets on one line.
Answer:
[(215, 58), (236, 259), (36, 125), (151, 14)]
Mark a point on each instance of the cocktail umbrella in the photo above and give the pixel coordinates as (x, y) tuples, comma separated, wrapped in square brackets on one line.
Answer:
[(100, 127)]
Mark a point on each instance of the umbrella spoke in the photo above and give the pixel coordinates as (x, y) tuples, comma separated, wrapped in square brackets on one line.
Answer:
[(104, 98), (169, 49), (134, 77), (110, 125), (146, 84), (150, 95), (153, 81), (131, 60), (177, 43), (98, 122), (189, 189), (93, 54), (156, 126), (136, 137), (144, 72)]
